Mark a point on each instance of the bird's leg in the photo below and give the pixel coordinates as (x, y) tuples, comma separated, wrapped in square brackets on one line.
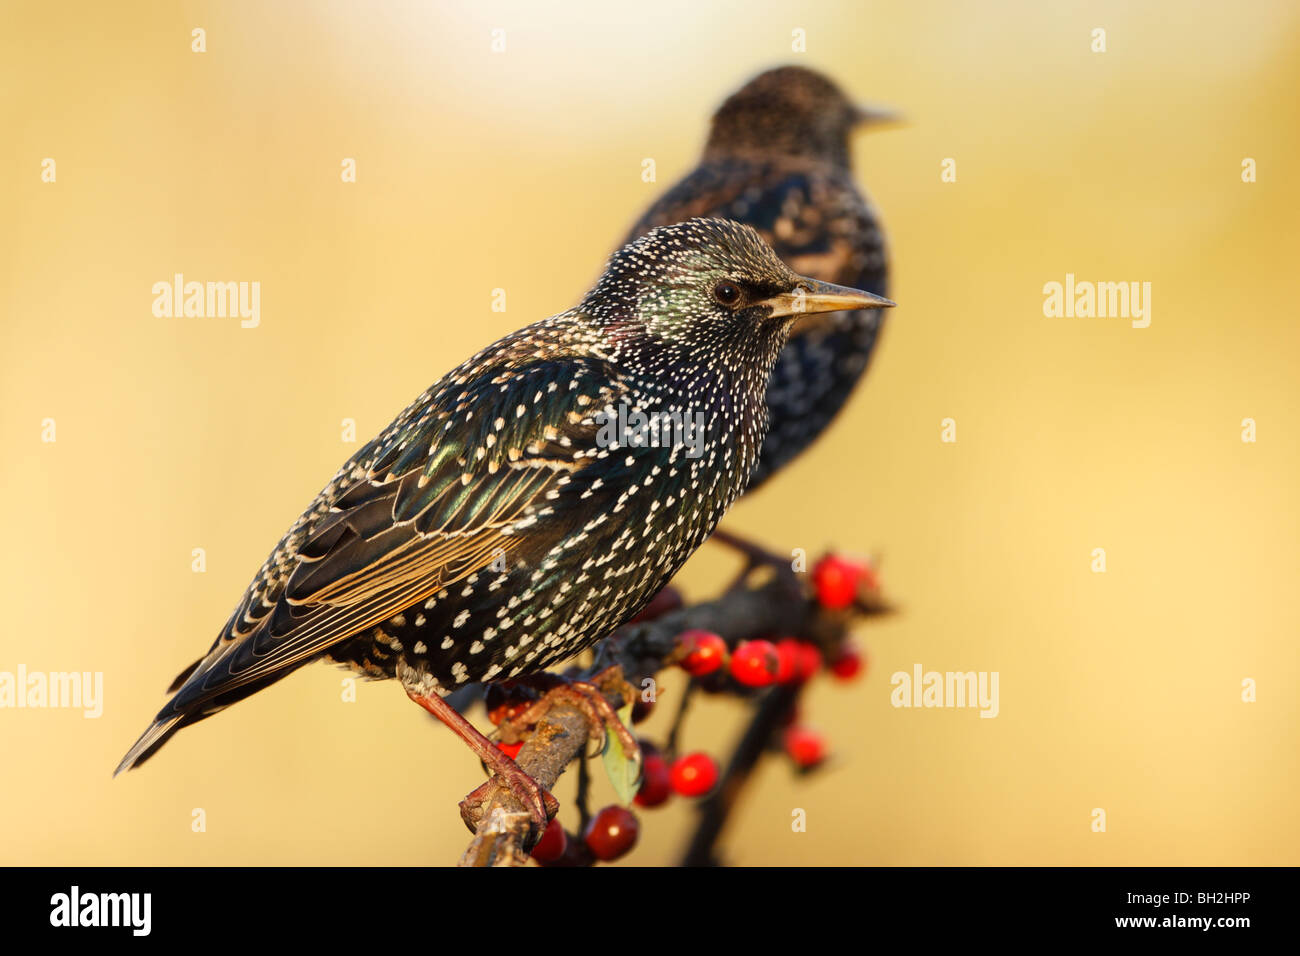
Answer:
[(540, 804), (590, 697), (755, 556)]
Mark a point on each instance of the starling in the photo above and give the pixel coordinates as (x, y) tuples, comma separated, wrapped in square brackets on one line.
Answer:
[(777, 159), (502, 522)]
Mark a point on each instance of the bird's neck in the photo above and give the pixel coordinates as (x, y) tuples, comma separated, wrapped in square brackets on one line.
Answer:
[(767, 145), (724, 387), (739, 365)]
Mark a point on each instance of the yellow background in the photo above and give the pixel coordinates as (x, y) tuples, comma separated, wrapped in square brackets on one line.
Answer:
[(520, 170)]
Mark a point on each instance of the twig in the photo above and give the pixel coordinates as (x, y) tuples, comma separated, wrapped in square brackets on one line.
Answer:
[(670, 743), (642, 650), (504, 823), (715, 810), (584, 795)]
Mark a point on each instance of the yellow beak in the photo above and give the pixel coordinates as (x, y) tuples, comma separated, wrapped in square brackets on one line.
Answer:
[(873, 114), (810, 296)]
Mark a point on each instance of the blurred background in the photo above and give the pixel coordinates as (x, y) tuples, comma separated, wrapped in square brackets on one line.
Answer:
[(519, 170)]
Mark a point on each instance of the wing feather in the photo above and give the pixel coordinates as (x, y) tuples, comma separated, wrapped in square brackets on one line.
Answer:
[(415, 512)]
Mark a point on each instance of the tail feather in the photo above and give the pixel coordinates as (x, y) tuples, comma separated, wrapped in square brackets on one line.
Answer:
[(184, 675), (194, 701), (149, 741)]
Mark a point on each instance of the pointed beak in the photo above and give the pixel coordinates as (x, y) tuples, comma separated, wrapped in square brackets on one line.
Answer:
[(874, 114), (810, 297)]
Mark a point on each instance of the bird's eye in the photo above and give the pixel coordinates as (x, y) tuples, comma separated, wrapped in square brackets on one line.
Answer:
[(727, 292)]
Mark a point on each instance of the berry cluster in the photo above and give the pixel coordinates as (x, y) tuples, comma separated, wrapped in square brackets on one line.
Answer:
[(613, 830), (692, 775), (760, 662), (838, 583)]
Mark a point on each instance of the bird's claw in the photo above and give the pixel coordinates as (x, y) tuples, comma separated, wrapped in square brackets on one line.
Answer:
[(591, 697), (539, 803)]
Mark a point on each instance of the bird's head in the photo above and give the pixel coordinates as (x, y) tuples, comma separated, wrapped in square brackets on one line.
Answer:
[(713, 287), (790, 111)]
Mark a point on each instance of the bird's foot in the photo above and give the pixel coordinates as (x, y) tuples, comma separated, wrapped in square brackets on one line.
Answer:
[(592, 698), (541, 806)]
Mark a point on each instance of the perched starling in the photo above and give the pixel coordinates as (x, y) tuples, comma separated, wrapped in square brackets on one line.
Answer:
[(777, 159), (502, 523)]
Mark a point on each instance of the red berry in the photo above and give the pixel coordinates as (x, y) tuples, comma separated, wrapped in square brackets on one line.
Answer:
[(656, 782), (787, 660), (506, 702), (755, 663), (836, 580), (806, 747), (508, 711), (705, 652), (510, 750), (694, 775), (552, 844), (810, 660), (848, 663), (611, 833)]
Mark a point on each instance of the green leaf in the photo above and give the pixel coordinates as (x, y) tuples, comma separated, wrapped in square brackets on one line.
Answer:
[(624, 769)]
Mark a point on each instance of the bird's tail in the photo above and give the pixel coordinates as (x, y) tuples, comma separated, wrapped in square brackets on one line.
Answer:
[(150, 740), (194, 700)]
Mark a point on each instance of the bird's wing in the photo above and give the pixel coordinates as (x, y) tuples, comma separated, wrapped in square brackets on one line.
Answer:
[(422, 506)]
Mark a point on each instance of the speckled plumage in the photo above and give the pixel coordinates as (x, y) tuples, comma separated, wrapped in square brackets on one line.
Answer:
[(778, 159), (489, 532)]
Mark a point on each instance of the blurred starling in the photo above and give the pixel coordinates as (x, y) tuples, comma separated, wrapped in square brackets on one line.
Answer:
[(777, 159), (499, 525)]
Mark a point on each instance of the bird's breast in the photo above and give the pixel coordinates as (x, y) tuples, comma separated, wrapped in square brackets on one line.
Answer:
[(651, 488)]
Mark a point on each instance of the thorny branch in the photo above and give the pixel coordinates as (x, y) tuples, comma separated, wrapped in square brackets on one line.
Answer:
[(644, 649)]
